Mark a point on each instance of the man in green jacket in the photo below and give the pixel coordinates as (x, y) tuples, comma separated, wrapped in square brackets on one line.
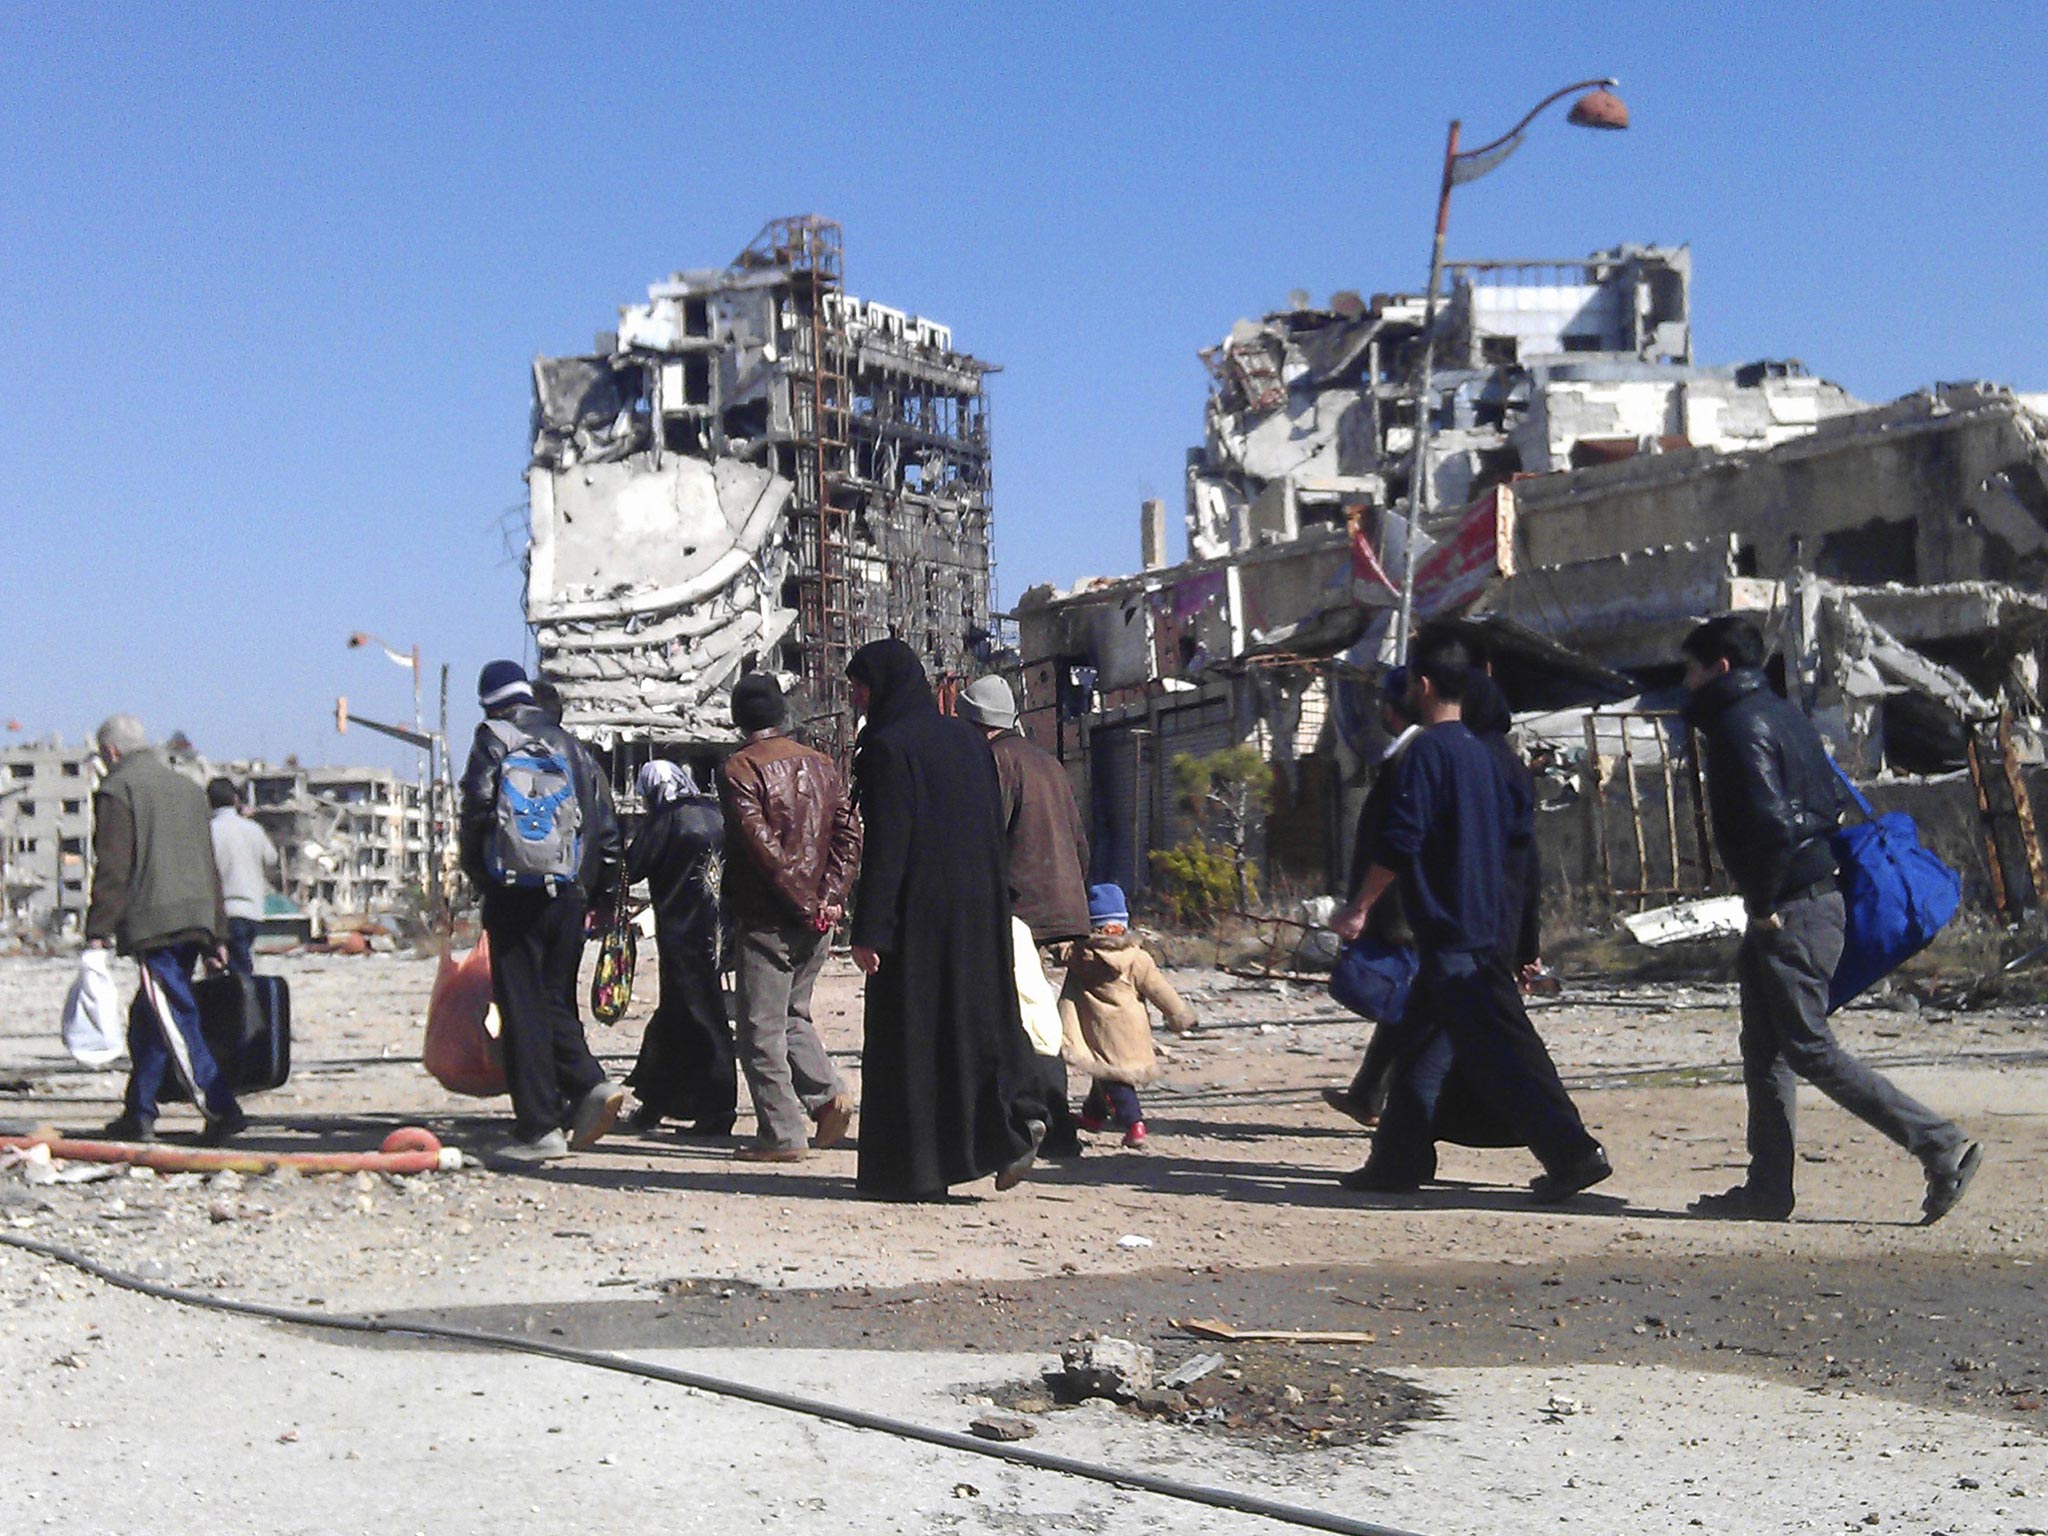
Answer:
[(156, 896)]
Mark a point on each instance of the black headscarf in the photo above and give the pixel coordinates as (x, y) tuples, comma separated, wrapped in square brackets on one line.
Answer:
[(896, 684), (1485, 709)]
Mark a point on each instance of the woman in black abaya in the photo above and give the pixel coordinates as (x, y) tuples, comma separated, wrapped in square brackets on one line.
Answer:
[(946, 1068)]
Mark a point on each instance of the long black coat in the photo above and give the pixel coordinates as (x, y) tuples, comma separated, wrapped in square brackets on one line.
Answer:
[(947, 1079), (686, 1067)]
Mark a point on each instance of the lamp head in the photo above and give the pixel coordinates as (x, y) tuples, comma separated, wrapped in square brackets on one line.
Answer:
[(357, 640), (1599, 109)]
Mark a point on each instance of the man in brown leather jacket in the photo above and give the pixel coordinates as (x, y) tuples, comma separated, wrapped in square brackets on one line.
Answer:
[(791, 846)]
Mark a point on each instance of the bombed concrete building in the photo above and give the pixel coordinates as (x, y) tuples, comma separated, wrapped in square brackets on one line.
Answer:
[(1594, 493), (755, 471)]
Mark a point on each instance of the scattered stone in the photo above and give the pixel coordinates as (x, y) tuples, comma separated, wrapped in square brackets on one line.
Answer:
[(1188, 1372), (1291, 1395), (1107, 1368), (1001, 1426), (224, 1210), (1164, 1401), (227, 1179), (1033, 1405)]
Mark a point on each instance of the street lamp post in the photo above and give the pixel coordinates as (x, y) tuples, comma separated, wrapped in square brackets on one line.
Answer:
[(427, 769), (1599, 108)]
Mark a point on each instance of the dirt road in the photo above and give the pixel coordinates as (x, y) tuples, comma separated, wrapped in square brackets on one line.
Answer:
[(1851, 1315)]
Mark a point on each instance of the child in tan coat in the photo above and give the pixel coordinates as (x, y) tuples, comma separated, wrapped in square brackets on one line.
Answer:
[(1107, 1032)]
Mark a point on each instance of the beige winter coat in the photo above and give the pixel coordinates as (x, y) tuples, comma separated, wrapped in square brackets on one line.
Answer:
[(1107, 1032)]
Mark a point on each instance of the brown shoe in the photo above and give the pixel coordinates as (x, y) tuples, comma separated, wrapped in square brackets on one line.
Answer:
[(759, 1152), (834, 1120)]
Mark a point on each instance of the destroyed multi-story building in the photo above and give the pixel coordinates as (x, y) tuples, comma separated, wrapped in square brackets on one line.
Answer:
[(755, 471), (350, 841), (1594, 492), (45, 833)]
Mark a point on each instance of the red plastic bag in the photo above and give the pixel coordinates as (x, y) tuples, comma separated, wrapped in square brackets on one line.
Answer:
[(461, 1048)]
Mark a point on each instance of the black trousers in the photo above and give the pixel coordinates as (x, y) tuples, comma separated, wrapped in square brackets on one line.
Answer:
[(536, 946), (1471, 1014)]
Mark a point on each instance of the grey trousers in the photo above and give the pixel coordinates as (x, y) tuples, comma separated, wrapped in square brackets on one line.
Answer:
[(789, 1075), (1785, 1035)]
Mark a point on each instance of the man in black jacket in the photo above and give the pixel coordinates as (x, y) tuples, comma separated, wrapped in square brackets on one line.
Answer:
[(561, 1098), (1775, 801)]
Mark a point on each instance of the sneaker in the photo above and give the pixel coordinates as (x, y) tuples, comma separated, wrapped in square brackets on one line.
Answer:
[(834, 1121), (1013, 1175), (1341, 1101), (1090, 1123), (595, 1114), (768, 1152), (1586, 1170), (1945, 1184), (1135, 1136), (1368, 1180), (1742, 1203), (547, 1147), (130, 1127), (222, 1129)]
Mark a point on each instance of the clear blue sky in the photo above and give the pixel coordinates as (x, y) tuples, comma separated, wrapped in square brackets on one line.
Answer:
[(273, 275)]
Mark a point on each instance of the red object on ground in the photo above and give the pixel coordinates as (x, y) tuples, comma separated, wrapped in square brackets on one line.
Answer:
[(410, 1149)]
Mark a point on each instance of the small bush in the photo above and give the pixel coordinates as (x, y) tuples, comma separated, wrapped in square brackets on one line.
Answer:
[(1198, 880)]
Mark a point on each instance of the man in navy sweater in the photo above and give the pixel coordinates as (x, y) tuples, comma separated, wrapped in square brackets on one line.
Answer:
[(1445, 842)]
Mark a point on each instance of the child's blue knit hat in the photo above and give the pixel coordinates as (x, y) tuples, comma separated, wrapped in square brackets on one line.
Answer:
[(1106, 904)]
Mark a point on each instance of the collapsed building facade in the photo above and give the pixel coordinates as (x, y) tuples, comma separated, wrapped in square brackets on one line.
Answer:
[(1596, 493), (755, 471)]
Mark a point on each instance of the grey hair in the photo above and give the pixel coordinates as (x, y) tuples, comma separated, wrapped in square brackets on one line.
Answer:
[(124, 733)]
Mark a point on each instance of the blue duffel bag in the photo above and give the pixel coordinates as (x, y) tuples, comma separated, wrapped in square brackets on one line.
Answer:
[(1898, 896), (1372, 978)]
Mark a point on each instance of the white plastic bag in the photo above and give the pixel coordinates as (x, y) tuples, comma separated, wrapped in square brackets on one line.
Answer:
[(93, 1029), (1035, 999)]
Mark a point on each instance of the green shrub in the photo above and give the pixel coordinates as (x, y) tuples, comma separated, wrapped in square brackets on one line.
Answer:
[(1198, 880)]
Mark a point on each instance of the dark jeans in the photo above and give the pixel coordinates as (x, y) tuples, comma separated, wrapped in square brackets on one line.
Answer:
[(164, 1037), (536, 944), (1471, 1011), (789, 1075), (242, 946), (1115, 1102), (1785, 1035)]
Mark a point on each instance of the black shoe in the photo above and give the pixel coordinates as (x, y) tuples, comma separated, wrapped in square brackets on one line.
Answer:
[(1584, 1171), (222, 1129), (1743, 1204), (644, 1118), (1945, 1186), (1068, 1145), (1013, 1175), (131, 1128), (716, 1129), (1369, 1180)]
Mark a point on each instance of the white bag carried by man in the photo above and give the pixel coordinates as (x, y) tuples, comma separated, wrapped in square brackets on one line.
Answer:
[(94, 1031), (1038, 1005)]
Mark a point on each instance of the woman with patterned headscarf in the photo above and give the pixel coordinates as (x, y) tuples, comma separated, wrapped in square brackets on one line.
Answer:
[(686, 1067), (948, 1077)]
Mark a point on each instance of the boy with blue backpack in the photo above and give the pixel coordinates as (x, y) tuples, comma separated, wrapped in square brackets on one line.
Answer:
[(1775, 801), (537, 834)]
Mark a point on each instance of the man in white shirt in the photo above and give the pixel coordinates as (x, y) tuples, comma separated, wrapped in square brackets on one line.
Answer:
[(242, 852)]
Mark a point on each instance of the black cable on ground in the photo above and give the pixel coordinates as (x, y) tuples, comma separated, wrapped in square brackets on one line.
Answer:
[(788, 1402)]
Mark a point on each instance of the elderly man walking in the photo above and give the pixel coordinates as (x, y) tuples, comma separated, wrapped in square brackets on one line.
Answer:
[(156, 896), (1048, 852)]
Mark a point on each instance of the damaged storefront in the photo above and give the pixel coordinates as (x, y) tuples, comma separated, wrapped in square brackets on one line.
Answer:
[(1599, 494)]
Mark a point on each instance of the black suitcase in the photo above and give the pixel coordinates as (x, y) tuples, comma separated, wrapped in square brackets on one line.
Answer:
[(247, 1022)]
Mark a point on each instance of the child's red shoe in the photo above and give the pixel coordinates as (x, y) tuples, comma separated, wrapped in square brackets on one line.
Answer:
[(1135, 1136), (1089, 1123)]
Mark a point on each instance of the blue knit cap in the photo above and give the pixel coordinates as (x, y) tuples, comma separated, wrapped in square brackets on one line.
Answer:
[(1106, 904), (501, 683)]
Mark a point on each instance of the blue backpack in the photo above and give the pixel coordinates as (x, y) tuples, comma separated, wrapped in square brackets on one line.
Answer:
[(536, 834), (1898, 895)]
